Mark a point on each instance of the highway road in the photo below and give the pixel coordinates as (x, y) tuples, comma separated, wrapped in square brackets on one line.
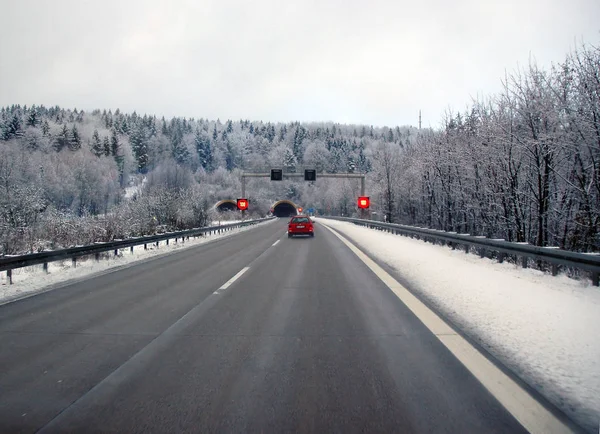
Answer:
[(252, 333)]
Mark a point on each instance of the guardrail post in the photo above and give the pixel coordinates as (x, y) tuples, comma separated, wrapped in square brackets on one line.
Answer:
[(467, 247), (45, 267), (595, 278), (131, 250), (97, 257), (116, 252), (157, 244), (501, 257), (524, 261), (74, 262), (482, 253), (9, 276), (145, 246), (554, 269), (167, 241)]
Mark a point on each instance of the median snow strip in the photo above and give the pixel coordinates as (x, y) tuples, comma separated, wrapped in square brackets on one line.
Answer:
[(544, 328), (29, 280)]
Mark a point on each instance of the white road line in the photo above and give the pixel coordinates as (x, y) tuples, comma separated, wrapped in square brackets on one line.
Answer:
[(233, 279), (276, 242), (525, 408)]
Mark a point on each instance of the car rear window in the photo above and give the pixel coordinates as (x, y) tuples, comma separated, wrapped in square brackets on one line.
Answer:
[(300, 220)]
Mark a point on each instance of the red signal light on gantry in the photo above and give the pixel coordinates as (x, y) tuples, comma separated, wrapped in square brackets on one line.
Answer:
[(364, 202), (242, 204)]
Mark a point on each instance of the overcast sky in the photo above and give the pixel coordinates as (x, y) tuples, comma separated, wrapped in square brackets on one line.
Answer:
[(369, 61)]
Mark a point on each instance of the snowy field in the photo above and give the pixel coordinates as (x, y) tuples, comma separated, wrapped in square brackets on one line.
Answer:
[(545, 329), (29, 280)]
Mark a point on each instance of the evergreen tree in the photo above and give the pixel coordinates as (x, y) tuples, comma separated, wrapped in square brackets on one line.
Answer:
[(13, 128), (45, 128), (215, 134), (106, 146), (203, 148), (289, 160), (363, 163), (271, 133), (125, 126), (351, 165), (139, 146), (152, 127), (180, 151), (297, 145), (229, 157), (75, 139), (115, 146), (229, 126), (63, 139), (33, 118), (97, 147)]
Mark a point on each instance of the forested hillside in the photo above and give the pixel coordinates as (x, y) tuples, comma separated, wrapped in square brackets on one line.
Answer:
[(522, 165)]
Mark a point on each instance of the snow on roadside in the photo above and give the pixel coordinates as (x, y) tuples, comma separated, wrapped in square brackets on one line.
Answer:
[(544, 328), (224, 222), (32, 279)]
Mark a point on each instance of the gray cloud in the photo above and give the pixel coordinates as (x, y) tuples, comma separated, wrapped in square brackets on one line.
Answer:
[(375, 62)]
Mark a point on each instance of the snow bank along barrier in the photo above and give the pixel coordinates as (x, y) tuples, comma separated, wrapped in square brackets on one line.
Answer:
[(9, 263), (552, 255)]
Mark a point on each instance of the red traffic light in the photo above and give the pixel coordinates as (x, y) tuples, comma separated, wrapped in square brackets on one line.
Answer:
[(300, 209), (242, 204), (364, 202)]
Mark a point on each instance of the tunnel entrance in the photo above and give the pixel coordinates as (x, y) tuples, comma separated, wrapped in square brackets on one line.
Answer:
[(226, 205), (284, 208)]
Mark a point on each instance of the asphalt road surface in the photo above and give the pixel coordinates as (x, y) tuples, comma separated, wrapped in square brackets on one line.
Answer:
[(307, 339)]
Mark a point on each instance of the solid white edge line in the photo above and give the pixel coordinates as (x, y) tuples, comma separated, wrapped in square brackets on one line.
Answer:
[(234, 278), (534, 417), (275, 243)]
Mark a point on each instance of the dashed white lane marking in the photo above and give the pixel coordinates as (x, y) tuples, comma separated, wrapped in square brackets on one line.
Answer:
[(233, 279), (534, 417), (276, 242)]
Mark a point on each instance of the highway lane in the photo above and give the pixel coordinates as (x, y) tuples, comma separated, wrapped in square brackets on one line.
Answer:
[(307, 339), (56, 346)]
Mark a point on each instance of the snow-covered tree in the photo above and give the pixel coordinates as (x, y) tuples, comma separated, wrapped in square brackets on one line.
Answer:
[(97, 147)]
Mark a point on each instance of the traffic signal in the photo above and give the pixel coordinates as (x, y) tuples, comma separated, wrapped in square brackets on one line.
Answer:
[(242, 204), (364, 202), (276, 174), (300, 210), (310, 175)]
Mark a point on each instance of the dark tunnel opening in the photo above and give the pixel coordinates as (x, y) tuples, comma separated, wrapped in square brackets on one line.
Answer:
[(284, 209), (227, 206)]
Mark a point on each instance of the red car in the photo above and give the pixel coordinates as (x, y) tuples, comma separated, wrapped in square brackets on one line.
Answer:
[(301, 225)]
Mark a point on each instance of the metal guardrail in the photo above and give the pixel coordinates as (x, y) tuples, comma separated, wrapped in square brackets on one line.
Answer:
[(9, 263), (552, 255)]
